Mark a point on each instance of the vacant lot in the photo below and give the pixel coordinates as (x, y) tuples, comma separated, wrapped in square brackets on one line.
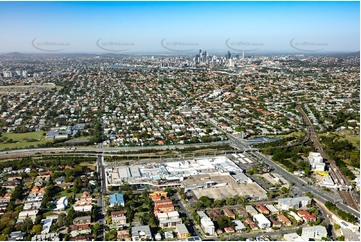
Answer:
[(27, 88), (21, 140)]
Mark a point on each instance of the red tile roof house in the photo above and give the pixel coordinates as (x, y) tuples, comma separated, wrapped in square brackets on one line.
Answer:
[(229, 213), (229, 230), (284, 220), (262, 209), (215, 213), (307, 217), (251, 224)]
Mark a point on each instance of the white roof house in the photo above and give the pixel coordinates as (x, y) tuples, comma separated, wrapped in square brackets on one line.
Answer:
[(62, 203), (239, 225), (262, 221)]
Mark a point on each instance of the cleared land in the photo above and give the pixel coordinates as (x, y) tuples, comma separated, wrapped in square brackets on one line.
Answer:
[(229, 188), (25, 88), (21, 140)]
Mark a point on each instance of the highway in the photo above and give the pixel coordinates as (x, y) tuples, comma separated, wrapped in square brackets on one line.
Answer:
[(98, 149)]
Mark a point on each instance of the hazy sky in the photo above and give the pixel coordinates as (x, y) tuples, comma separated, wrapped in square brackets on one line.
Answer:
[(141, 26)]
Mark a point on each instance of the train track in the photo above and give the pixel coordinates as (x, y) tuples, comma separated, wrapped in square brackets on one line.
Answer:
[(335, 172)]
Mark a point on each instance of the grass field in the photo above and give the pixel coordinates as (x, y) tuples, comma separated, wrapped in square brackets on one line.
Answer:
[(352, 138), (23, 140)]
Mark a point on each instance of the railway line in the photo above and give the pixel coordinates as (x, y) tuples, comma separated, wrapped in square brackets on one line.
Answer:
[(335, 172)]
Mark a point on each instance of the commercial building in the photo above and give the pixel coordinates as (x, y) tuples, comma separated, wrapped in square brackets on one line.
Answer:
[(295, 203), (316, 161), (315, 232)]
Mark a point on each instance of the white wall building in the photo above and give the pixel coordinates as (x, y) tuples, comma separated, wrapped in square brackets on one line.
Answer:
[(316, 161), (262, 221), (206, 223), (314, 232)]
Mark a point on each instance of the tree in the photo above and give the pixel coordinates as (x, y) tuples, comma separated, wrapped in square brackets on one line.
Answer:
[(27, 225), (223, 222), (36, 229)]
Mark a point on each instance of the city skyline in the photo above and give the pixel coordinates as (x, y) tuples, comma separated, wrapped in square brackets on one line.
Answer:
[(180, 27)]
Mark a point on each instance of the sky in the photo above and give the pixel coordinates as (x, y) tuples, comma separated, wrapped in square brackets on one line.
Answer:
[(179, 27)]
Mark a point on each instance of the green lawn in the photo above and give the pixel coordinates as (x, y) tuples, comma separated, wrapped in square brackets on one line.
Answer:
[(352, 138), (23, 140), (64, 193)]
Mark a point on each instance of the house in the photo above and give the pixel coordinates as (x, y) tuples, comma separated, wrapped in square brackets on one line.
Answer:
[(169, 220), (82, 220), (194, 238), (162, 204), (315, 232), (5, 198), (295, 216), (295, 203), (82, 237), (284, 220), (141, 233), (229, 230), (77, 230), (46, 237), (27, 214), (272, 208), (262, 221), (229, 213), (251, 210), (275, 222), (62, 204), (215, 213), (46, 225), (307, 217), (17, 236), (168, 235), (84, 204), (206, 223), (59, 180), (251, 224), (123, 235), (182, 231), (116, 199), (262, 209), (239, 226), (118, 217)]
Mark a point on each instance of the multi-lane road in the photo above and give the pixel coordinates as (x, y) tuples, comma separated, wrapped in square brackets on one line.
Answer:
[(303, 186)]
